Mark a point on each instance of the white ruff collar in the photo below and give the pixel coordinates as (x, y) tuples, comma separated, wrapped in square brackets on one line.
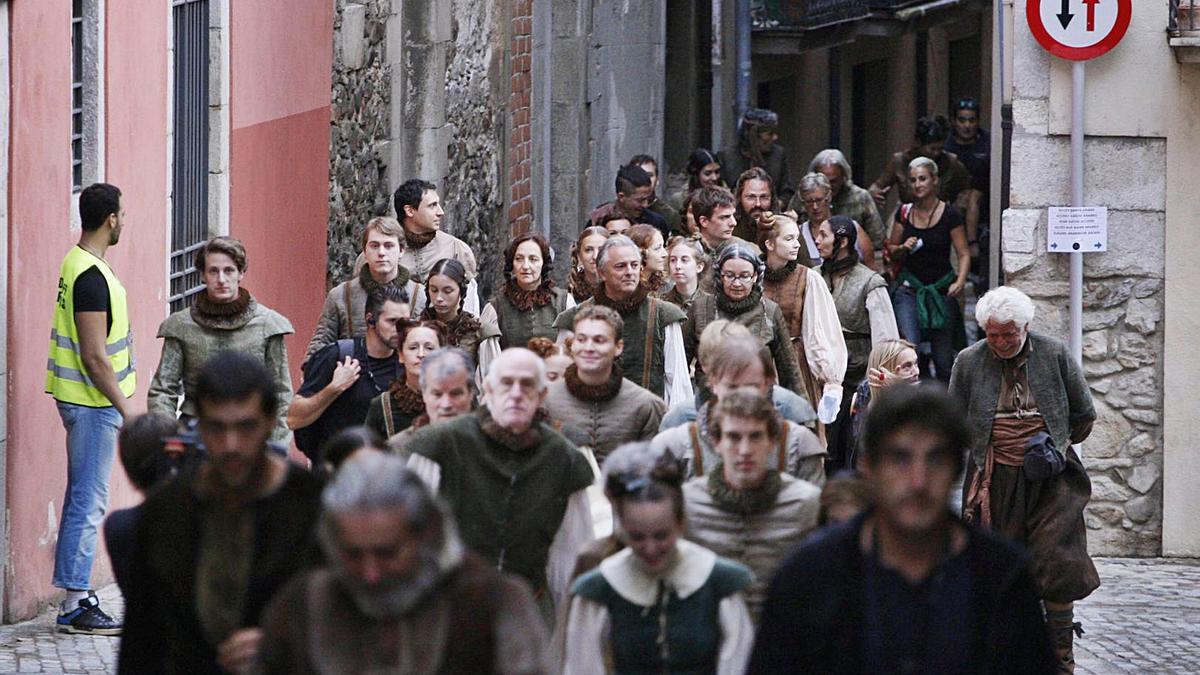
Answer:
[(694, 564)]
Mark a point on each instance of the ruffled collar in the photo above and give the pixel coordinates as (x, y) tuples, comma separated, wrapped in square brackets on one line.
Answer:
[(526, 440), (739, 307), (415, 241), (407, 400), (781, 273), (525, 300), (224, 315), (463, 324), (690, 570), (579, 286), (369, 284), (623, 307), (743, 502), (592, 393)]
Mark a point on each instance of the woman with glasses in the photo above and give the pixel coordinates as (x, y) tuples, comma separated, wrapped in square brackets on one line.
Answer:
[(816, 195), (738, 296)]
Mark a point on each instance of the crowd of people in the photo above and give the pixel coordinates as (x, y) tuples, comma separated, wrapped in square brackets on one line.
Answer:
[(707, 453)]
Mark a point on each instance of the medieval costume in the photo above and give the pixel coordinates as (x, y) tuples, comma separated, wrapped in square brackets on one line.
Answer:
[(865, 311), (463, 331), (812, 323), (344, 313), (519, 499), (395, 410), (422, 251), (467, 618), (654, 356), (516, 315), (601, 417), (765, 321), (756, 527), (205, 569), (191, 336), (799, 452), (1013, 406), (690, 619)]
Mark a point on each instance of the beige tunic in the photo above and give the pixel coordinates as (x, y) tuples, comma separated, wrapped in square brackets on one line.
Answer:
[(759, 541), (632, 415), (804, 454)]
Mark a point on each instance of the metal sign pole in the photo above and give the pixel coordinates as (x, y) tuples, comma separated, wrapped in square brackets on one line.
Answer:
[(1077, 84)]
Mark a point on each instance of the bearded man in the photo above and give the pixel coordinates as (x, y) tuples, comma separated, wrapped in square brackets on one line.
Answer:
[(400, 593)]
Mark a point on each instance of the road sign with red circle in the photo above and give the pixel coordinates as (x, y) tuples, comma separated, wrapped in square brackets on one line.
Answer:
[(1078, 29)]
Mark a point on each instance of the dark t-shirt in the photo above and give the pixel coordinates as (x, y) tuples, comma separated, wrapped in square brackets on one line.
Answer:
[(91, 293), (350, 408), (917, 628), (932, 261)]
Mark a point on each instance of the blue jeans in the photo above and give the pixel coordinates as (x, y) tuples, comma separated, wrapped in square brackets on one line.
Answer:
[(91, 445), (941, 341)]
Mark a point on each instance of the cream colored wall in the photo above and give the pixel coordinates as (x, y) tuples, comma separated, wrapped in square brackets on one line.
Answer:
[(1181, 460), (1139, 91)]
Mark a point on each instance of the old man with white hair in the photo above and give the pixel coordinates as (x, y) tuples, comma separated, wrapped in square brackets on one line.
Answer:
[(516, 486), (400, 593), (1027, 403)]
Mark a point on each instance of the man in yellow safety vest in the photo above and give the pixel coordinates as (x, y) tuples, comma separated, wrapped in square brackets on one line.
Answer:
[(90, 374)]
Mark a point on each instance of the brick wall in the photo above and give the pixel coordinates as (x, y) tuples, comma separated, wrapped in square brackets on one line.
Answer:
[(520, 146)]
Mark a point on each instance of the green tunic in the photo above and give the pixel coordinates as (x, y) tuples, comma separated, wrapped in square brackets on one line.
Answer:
[(850, 299), (765, 321), (189, 339), (514, 327), (508, 504), (645, 335), (691, 625)]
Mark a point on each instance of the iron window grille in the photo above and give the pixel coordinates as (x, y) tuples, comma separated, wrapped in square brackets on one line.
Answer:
[(189, 186)]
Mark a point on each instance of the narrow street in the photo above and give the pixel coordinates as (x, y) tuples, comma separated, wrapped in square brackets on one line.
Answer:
[(1142, 620)]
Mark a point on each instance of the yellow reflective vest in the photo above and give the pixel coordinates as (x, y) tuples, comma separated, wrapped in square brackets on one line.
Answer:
[(66, 377)]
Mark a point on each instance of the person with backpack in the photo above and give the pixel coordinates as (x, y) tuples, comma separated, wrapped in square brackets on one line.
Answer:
[(340, 379)]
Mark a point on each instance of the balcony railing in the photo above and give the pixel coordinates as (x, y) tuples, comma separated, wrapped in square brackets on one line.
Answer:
[(1184, 15), (811, 13), (1183, 29)]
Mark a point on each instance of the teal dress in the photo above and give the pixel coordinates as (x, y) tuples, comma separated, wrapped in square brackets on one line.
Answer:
[(673, 624)]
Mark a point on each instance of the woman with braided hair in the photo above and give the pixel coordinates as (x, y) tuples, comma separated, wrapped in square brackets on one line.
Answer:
[(865, 312), (584, 277), (662, 604), (446, 291)]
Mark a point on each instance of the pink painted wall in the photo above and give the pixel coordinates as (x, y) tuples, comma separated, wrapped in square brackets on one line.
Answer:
[(39, 202), (281, 59), (279, 155)]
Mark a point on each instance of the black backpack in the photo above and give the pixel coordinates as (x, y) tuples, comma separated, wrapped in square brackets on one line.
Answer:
[(310, 438)]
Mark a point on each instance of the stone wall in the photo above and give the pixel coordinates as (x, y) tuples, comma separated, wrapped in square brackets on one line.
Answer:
[(476, 112), (360, 128), (1123, 299)]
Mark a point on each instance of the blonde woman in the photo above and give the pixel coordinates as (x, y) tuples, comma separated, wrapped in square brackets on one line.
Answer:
[(891, 362)]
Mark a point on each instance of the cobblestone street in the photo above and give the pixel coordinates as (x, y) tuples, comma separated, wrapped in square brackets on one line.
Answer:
[(1142, 620)]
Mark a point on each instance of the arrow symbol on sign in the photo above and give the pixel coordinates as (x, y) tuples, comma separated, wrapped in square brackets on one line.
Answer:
[(1091, 14), (1065, 16), (1096, 245), (1054, 245)]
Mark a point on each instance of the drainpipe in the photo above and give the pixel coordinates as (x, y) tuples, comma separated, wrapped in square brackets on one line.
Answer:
[(743, 79), (717, 96)]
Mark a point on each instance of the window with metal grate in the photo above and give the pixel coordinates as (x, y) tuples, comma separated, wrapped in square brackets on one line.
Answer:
[(189, 182)]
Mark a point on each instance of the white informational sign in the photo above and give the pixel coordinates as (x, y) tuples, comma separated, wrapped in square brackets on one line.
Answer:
[(1077, 229)]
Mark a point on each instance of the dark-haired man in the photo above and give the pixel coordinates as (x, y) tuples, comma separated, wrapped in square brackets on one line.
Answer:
[(973, 146), (905, 587), (342, 378), (635, 192), (419, 210), (755, 196), (715, 211), (758, 146), (657, 205), (90, 373), (216, 543)]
